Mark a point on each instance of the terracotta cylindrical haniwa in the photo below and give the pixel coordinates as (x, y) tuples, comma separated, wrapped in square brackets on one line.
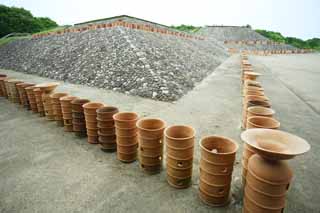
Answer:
[(126, 131), (14, 95), (23, 94), (3, 91), (262, 122), (78, 118), (6, 87), (216, 165), (56, 106), (47, 89), (260, 111), (266, 186), (150, 136), (66, 108), (106, 128), (32, 99), (90, 113), (250, 101), (179, 145), (38, 95)]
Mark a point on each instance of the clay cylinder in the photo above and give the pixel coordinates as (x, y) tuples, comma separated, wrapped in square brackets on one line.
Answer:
[(266, 186), (126, 131), (31, 98), (179, 146), (107, 137), (150, 136), (14, 95), (90, 113), (6, 87), (56, 106), (66, 108), (78, 118), (250, 101), (216, 166), (247, 153), (260, 111), (23, 93), (262, 122), (38, 95), (3, 91)]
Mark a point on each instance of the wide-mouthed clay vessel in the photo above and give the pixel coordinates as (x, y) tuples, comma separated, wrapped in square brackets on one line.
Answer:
[(150, 135), (268, 175), (179, 145), (38, 95), (216, 165), (23, 94), (14, 95)]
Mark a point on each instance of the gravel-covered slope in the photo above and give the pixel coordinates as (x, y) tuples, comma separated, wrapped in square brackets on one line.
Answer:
[(223, 33), (153, 65)]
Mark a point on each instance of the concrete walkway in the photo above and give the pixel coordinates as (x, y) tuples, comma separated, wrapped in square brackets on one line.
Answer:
[(43, 169)]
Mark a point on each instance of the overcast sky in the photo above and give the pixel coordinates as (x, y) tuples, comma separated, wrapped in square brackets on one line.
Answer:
[(297, 18)]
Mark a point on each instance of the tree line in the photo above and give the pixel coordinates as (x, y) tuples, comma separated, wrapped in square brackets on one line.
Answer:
[(19, 20)]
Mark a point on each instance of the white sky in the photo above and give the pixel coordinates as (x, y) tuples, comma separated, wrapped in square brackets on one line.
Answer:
[(295, 18)]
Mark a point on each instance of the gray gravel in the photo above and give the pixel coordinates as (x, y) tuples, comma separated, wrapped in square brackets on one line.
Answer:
[(135, 62)]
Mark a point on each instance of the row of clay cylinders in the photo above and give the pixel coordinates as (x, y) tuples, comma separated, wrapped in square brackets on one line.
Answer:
[(56, 107), (179, 159), (66, 109), (3, 91), (38, 95), (266, 185), (23, 94), (106, 128), (13, 91), (90, 114), (127, 140), (32, 103), (216, 165), (150, 137), (78, 118)]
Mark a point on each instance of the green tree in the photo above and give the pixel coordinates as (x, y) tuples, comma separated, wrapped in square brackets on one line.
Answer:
[(19, 20)]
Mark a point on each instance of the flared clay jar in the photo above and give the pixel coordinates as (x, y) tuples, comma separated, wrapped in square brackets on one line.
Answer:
[(275, 144)]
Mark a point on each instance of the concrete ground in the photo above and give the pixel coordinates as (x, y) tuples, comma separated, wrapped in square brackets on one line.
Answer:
[(43, 169)]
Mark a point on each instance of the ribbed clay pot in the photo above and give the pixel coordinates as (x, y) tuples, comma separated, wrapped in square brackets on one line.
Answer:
[(126, 132), (78, 118), (107, 134), (126, 120), (179, 146), (23, 94), (3, 91), (32, 99), (90, 113), (38, 95), (14, 95), (66, 108), (266, 186), (47, 89), (262, 122), (250, 101), (216, 165), (56, 106), (260, 111)]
